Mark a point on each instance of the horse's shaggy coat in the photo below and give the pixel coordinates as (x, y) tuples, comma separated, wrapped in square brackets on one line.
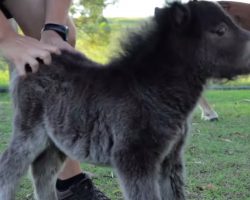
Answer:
[(130, 114)]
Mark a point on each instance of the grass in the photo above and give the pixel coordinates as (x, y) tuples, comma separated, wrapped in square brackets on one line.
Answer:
[(217, 154), (4, 73)]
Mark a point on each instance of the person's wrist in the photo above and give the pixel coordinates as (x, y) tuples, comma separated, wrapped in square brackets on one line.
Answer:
[(50, 34), (59, 29), (7, 34)]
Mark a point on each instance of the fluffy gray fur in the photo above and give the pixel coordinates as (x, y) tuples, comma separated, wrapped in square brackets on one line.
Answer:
[(132, 113)]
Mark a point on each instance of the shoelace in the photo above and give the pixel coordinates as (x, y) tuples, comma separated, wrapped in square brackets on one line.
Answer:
[(99, 194), (83, 190)]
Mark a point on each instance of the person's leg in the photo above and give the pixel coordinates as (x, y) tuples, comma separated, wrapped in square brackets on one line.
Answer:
[(31, 23), (71, 168), (207, 112), (30, 15)]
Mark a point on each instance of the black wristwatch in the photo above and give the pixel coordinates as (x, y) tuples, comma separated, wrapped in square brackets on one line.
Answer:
[(58, 28)]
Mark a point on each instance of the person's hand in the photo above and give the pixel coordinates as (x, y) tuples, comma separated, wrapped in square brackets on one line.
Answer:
[(23, 50), (239, 11), (52, 38)]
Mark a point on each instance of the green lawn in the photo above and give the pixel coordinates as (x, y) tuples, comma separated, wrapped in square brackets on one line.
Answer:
[(217, 154)]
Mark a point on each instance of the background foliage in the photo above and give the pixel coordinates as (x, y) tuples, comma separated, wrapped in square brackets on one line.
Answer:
[(98, 37)]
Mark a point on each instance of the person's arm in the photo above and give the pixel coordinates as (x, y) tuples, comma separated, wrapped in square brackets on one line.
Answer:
[(5, 26), (238, 10), (56, 13), (22, 50)]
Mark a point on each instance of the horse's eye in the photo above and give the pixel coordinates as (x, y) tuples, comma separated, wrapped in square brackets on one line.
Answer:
[(220, 30)]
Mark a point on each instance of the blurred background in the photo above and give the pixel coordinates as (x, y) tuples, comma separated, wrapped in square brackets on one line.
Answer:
[(100, 25)]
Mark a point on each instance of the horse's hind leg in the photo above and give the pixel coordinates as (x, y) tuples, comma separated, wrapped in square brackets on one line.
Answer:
[(15, 160), (44, 170)]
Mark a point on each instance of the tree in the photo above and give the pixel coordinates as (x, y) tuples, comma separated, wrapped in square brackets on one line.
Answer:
[(90, 20), (91, 8)]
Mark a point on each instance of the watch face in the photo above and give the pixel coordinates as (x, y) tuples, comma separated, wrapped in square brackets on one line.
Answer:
[(66, 30), (65, 33)]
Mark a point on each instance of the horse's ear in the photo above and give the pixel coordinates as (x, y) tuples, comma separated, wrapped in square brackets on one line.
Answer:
[(180, 15), (158, 13)]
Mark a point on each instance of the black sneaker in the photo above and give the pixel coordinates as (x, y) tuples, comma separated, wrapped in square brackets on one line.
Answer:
[(82, 190)]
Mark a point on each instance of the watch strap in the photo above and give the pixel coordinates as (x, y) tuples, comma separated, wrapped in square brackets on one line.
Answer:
[(58, 28)]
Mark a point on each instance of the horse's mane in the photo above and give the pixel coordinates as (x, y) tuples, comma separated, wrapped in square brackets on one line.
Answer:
[(143, 42)]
